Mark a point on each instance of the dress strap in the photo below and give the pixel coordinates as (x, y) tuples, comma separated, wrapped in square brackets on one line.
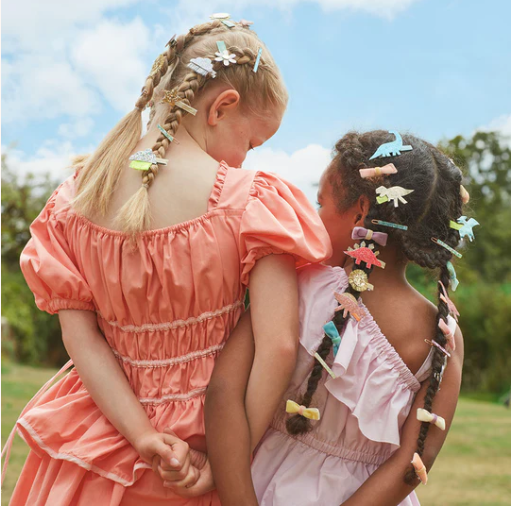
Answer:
[(236, 189), (6, 451)]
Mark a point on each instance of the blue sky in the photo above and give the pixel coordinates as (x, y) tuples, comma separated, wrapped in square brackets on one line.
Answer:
[(435, 67)]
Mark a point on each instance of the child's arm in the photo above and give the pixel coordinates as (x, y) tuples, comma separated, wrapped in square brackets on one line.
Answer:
[(386, 486), (274, 315), (110, 390)]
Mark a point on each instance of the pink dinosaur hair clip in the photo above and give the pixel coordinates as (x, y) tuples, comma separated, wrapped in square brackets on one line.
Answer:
[(447, 333), (348, 303), (450, 304), (363, 253), (378, 171)]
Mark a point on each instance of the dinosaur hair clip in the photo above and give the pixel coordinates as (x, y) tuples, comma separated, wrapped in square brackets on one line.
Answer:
[(363, 253), (466, 227), (393, 148), (394, 193), (349, 304)]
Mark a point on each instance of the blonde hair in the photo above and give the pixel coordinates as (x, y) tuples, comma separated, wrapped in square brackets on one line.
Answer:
[(100, 172)]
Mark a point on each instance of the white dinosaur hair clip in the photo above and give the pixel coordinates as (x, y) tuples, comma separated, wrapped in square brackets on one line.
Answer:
[(395, 193)]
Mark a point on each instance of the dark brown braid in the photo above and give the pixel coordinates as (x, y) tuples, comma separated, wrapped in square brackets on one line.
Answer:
[(436, 200)]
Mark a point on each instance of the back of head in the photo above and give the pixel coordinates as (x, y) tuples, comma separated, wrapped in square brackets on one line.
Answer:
[(433, 201), (259, 87)]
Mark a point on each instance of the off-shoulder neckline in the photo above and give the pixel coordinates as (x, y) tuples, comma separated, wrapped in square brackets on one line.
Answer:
[(215, 190)]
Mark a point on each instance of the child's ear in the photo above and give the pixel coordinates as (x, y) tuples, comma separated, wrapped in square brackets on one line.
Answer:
[(224, 103), (363, 206)]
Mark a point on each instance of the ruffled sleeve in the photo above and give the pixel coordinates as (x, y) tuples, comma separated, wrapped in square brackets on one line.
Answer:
[(372, 381), (47, 261), (279, 219)]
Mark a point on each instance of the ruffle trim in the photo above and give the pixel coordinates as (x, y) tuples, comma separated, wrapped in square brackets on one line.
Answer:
[(53, 306), (218, 186), (32, 438)]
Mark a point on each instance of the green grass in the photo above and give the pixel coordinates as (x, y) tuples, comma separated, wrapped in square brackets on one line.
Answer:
[(473, 469)]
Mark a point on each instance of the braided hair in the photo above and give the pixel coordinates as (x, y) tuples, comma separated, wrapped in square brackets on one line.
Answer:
[(436, 200), (101, 171)]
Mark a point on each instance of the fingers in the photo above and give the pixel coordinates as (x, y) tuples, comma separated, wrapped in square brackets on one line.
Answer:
[(189, 480), (177, 474), (168, 455), (204, 484), (180, 451)]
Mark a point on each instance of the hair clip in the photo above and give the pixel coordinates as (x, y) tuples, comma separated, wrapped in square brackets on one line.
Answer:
[(440, 347), (363, 253), (224, 18), (389, 224), (420, 468), (360, 233), (393, 148), (466, 227), (449, 336), (465, 196), (439, 375), (378, 171), (446, 246), (423, 415), (395, 193), (311, 413), (332, 332), (173, 99), (454, 225), (325, 365), (146, 156), (246, 24), (450, 304), (258, 59), (158, 64), (226, 57), (165, 133), (220, 44), (349, 304), (172, 42), (203, 66), (452, 276), (358, 281)]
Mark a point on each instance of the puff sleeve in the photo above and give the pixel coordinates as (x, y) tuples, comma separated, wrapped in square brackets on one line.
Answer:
[(47, 261), (279, 219)]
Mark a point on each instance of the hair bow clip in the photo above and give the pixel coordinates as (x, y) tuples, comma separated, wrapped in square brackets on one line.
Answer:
[(394, 193), (378, 171), (332, 332), (424, 415), (363, 253), (420, 468), (393, 148), (361, 233), (452, 276), (349, 304), (450, 304), (449, 336), (311, 413), (467, 226)]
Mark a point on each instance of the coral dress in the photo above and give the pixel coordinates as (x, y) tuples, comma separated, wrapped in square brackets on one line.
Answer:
[(166, 310), (362, 410)]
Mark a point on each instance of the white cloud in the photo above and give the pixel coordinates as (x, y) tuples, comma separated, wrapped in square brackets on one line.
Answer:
[(501, 124), (111, 58), (303, 168), (78, 128)]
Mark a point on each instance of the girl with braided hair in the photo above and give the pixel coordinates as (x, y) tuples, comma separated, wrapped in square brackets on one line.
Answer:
[(373, 350), (148, 270)]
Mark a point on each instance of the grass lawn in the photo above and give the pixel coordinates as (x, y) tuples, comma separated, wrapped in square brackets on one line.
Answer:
[(474, 468)]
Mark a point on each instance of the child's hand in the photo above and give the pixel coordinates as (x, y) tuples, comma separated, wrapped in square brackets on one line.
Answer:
[(153, 446)]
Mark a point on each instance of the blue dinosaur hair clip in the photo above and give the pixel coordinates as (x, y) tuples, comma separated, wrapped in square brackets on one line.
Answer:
[(392, 148), (466, 227)]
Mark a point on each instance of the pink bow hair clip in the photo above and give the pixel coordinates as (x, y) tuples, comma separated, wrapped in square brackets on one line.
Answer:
[(447, 333), (450, 304), (378, 171), (361, 233)]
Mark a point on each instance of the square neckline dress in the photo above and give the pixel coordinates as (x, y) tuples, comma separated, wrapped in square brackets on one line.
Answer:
[(166, 309)]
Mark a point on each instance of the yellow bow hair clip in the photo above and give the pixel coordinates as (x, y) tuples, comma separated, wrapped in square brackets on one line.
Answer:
[(310, 413)]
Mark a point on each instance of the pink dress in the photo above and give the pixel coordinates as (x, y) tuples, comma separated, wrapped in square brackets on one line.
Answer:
[(166, 311), (362, 410)]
